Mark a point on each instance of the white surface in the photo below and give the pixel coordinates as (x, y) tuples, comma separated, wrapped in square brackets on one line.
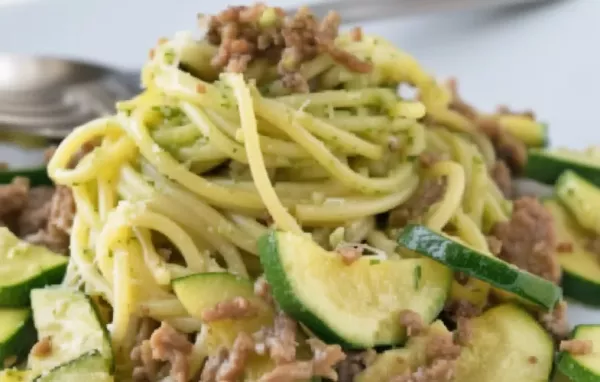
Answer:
[(546, 58)]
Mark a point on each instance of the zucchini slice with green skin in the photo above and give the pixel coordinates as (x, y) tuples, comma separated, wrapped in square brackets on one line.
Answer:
[(581, 198), (506, 345), (582, 368), (17, 334), (356, 305), (25, 267), (395, 362), (581, 269), (528, 131), (461, 258), (546, 166), (89, 367), (69, 319)]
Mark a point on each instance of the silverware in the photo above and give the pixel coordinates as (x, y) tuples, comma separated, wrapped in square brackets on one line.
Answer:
[(352, 11), (48, 96)]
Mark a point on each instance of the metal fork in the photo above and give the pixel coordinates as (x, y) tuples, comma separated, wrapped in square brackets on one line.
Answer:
[(48, 97)]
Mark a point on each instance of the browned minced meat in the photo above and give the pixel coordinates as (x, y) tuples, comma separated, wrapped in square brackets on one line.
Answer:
[(464, 331), (279, 341), (458, 104), (564, 247), (356, 34), (556, 321), (13, 198), (500, 173), (325, 358), (532, 359), (233, 309), (145, 368), (244, 33), (429, 192), (577, 347), (440, 355), (35, 213), (212, 365), (461, 278), (494, 245), (428, 159), (413, 322), (355, 363), (42, 348), (508, 148), (173, 347), (529, 239), (461, 308), (505, 110), (263, 290), (593, 245), (57, 231), (441, 370), (233, 367), (349, 253), (441, 346)]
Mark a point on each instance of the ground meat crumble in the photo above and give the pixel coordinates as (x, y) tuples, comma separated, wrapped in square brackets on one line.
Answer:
[(165, 346), (577, 347), (42, 348), (529, 239), (429, 192), (441, 354), (508, 148), (500, 173), (413, 323), (233, 309), (40, 215), (555, 321), (246, 33)]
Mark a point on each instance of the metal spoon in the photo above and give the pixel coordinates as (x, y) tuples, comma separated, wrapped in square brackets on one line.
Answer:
[(48, 97)]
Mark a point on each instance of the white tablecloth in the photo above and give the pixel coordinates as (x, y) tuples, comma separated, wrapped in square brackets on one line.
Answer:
[(546, 58)]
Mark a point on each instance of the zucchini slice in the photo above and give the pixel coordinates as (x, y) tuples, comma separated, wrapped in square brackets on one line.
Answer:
[(528, 131), (545, 166), (581, 198), (507, 345), (356, 305), (581, 269), (17, 334), (582, 368), (203, 291), (462, 258), (69, 318), (25, 267), (89, 367), (395, 362)]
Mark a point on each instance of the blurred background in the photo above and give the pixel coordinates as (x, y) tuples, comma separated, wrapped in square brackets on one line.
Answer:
[(545, 57)]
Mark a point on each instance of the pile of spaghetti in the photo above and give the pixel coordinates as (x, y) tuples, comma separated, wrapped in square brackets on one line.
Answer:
[(271, 121)]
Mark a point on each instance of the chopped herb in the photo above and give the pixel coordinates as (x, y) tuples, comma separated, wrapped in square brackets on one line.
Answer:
[(417, 276), (169, 57), (374, 261), (412, 158)]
